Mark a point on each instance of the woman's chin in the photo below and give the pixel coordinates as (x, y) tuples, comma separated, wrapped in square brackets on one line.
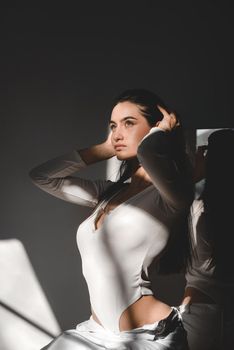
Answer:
[(121, 157)]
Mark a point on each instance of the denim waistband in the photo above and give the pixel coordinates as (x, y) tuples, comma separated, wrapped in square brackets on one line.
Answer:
[(168, 324), (152, 331)]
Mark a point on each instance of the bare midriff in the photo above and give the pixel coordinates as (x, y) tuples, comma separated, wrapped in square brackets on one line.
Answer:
[(146, 310), (194, 295)]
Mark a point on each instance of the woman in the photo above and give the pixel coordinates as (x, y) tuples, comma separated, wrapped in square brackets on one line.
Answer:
[(207, 308), (137, 221)]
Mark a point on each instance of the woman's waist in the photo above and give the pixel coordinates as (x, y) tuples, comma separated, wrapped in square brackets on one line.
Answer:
[(146, 310), (170, 326)]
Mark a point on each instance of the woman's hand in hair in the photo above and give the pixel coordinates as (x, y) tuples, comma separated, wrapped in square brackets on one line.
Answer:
[(108, 145), (169, 120), (98, 152)]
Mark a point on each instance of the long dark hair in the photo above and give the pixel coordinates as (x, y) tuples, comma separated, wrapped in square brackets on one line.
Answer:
[(147, 102), (218, 199), (177, 254)]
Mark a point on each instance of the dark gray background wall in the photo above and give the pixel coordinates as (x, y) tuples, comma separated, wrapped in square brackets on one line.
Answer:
[(61, 66)]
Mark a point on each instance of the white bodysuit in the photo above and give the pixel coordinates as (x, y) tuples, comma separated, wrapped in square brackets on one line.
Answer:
[(117, 255)]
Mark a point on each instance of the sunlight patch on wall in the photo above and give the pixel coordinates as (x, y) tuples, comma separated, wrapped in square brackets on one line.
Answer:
[(203, 134)]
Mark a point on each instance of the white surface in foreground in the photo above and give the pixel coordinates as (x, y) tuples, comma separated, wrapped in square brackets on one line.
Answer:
[(21, 290)]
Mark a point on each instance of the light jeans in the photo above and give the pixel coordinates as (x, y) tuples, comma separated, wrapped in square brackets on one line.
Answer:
[(204, 326), (167, 334)]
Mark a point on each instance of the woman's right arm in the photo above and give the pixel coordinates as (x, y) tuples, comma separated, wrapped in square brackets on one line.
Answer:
[(54, 176), (166, 163)]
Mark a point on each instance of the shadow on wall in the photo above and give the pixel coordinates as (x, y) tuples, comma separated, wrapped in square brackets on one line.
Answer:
[(26, 319)]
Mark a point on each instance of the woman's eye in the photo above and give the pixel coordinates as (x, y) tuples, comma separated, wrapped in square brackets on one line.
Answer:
[(128, 123), (112, 126)]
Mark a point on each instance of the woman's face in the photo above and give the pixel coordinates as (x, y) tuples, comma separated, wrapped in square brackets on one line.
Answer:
[(128, 127)]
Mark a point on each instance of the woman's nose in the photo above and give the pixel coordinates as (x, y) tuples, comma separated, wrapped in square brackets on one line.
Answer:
[(118, 135)]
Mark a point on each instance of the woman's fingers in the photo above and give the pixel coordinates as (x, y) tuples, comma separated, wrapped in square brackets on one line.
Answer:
[(169, 121), (163, 111)]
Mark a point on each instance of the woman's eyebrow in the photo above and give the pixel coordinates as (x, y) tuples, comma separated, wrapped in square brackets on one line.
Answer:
[(123, 119)]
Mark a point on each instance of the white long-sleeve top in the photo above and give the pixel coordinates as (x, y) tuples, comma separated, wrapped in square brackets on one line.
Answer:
[(117, 255)]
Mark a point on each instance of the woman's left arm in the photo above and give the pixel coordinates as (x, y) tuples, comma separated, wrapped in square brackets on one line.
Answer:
[(161, 155)]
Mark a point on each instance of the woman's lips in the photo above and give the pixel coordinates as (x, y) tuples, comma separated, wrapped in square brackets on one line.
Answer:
[(119, 147)]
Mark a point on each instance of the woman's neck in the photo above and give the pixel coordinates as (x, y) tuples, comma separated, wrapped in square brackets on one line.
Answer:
[(139, 177)]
